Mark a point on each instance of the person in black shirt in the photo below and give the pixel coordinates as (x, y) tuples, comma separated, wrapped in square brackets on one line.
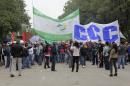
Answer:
[(95, 54), (83, 53), (100, 52), (16, 52), (54, 55), (25, 54)]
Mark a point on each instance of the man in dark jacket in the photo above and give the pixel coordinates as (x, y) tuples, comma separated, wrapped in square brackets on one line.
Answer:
[(7, 55), (25, 55), (83, 53), (16, 52), (54, 55), (100, 52)]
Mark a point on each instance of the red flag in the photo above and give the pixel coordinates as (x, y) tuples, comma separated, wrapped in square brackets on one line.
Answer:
[(24, 36), (12, 37)]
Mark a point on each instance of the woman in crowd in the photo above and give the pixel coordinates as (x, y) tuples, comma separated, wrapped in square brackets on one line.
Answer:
[(76, 54), (47, 53), (113, 59), (106, 50)]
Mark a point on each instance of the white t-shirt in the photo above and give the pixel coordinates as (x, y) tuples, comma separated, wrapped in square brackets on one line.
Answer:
[(30, 51), (75, 50)]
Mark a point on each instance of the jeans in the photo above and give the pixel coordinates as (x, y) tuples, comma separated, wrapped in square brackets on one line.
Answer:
[(106, 62), (62, 56), (13, 62), (83, 61), (95, 60), (37, 58), (7, 61), (121, 61), (58, 58), (30, 58), (53, 62), (47, 62), (70, 61), (25, 62), (101, 60), (113, 63), (75, 60), (40, 59)]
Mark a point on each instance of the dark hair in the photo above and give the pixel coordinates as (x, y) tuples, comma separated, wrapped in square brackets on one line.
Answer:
[(26, 44), (122, 42), (46, 48), (114, 46), (76, 44), (107, 43)]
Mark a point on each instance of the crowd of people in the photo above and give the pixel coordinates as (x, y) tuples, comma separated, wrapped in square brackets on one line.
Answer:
[(24, 55)]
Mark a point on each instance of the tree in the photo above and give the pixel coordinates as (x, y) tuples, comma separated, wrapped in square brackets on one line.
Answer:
[(12, 16), (101, 11)]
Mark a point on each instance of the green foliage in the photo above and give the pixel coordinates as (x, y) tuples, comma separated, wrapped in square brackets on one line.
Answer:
[(101, 11), (12, 16)]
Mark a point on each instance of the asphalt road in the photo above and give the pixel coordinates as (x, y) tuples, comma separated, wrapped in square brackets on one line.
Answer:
[(89, 76)]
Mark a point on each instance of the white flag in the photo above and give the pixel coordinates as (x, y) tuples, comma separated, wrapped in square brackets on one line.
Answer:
[(53, 29)]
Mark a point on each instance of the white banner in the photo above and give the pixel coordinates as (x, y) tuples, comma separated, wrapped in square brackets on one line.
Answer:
[(95, 32), (54, 30)]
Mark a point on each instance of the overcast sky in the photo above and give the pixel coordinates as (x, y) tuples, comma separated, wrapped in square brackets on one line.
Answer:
[(52, 8)]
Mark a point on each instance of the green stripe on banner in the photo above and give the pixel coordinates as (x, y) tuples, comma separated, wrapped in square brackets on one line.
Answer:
[(71, 16), (38, 13), (53, 37)]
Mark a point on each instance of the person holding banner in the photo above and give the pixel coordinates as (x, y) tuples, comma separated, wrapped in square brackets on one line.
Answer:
[(76, 54)]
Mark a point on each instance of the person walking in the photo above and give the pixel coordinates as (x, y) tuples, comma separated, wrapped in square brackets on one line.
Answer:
[(100, 52), (16, 52), (106, 50), (95, 54), (83, 52), (122, 55), (113, 59), (54, 55), (76, 53), (31, 56), (7, 55), (25, 55)]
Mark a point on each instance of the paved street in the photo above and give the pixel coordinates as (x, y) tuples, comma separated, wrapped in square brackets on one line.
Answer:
[(89, 76)]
